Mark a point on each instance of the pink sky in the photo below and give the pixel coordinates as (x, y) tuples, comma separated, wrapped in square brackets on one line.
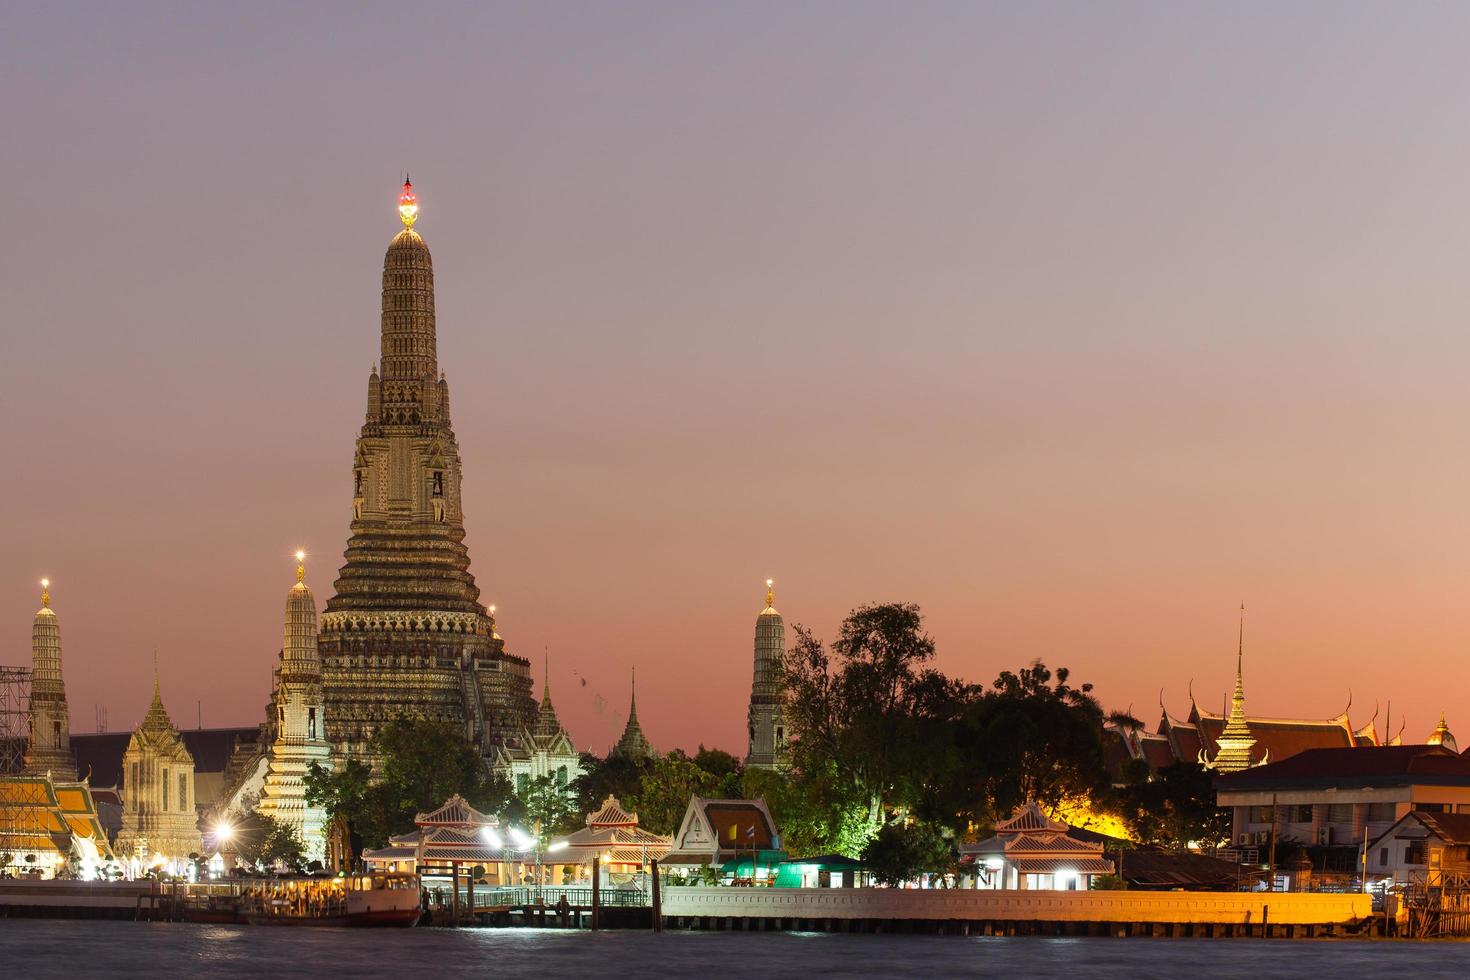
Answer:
[(1078, 326)]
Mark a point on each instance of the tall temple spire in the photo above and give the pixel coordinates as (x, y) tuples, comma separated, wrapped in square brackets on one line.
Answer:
[(633, 744), (1235, 744), (48, 748), (547, 724), (405, 594), (766, 725)]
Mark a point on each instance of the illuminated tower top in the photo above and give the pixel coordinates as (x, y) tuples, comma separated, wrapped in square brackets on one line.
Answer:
[(408, 205)]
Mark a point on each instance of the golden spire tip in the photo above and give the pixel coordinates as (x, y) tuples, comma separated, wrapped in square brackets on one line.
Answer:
[(45, 593)]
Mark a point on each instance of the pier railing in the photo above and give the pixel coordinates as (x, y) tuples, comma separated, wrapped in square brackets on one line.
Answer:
[(494, 897)]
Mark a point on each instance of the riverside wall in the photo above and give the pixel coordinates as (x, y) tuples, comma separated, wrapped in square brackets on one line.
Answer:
[(697, 906)]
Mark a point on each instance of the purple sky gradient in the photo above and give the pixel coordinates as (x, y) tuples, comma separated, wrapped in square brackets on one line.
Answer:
[(1076, 324)]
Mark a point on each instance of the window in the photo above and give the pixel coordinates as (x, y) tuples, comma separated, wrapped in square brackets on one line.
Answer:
[(183, 792), (1383, 857), (1431, 808), (165, 791), (523, 784), (56, 732), (1382, 812), (1301, 813), (311, 723), (1340, 813), (1414, 852), (780, 736), (561, 777)]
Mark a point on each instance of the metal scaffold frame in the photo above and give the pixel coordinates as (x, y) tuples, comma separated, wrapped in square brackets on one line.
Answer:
[(15, 728)]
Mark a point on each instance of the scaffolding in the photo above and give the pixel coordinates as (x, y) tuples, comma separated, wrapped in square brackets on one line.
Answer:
[(15, 717)]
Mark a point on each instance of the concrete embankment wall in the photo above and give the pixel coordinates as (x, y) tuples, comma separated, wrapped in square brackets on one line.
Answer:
[(965, 905), (85, 899)]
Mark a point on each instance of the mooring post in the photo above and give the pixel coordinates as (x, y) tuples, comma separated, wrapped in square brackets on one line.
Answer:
[(658, 905), (596, 889)]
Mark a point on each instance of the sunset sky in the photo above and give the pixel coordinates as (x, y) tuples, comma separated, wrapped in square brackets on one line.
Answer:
[(1078, 325)]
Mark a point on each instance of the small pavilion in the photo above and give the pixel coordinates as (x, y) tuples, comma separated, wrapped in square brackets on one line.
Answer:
[(613, 835), (457, 835), (1032, 851)]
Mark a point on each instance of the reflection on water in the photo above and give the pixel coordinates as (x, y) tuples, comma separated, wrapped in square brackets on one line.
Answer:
[(45, 948)]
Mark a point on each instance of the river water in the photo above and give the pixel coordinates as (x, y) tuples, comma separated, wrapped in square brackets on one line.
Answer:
[(37, 948)]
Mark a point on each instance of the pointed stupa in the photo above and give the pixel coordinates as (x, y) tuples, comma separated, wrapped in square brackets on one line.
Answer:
[(547, 724), (766, 726), (1442, 736), (49, 746), (158, 817), (633, 744), (1235, 744), (299, 725)]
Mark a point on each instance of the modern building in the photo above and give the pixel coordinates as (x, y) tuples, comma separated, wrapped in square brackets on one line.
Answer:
[(1340, 797), (1033, 852), (543, 750), (632, 744), (48, 749), (405, 632), (766, 748), (300, 738), (160, 825)]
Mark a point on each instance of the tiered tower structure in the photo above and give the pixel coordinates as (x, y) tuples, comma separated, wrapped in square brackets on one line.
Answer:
[(158, 814), (1236, 741), (300, 722), (767, 725), (405, 634), (633, 744), (49, 748)]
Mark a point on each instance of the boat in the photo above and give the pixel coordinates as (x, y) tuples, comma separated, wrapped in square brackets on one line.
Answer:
[(377, 899), (214, 901)]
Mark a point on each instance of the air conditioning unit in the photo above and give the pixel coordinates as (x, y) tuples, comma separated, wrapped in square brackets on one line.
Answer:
[(1263, 837), (1245, 840), (1324, 836)]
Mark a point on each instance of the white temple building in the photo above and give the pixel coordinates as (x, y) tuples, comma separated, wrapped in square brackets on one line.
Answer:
[(545, 749)]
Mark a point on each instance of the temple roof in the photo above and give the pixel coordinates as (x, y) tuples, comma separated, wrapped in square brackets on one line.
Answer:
[(1363, 766), (612, 814), (1030, 819), (455, 812), (633, 744)]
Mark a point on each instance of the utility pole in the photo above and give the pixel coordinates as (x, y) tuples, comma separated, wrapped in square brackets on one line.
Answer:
[(1271, 855)]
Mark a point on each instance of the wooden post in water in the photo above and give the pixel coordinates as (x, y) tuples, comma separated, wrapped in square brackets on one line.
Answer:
[(596, 889), (658, 905), (454, 893)]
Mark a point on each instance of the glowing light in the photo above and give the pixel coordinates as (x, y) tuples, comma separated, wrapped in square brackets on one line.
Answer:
[(301, 556), (521, 838), (45, 583), (408, 205), (492, 610), (995, 864), (223, 832), (560, 845), (492, 837)]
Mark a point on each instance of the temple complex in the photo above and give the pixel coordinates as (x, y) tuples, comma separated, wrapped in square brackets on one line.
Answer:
[(633, 744), (543, 750), (158, 819), (48, 749), (405, 633), (299, 723), (767, 727)]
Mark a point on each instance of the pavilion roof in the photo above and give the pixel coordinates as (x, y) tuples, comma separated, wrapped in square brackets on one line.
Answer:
[(454, 812), (612, 814)]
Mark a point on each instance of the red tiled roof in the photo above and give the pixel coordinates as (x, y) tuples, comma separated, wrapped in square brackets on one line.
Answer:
[(1282, 738)]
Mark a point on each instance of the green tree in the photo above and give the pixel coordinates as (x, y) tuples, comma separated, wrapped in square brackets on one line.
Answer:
[(902, 851), (870, 718), (1029, 739), (615, 775), (1174, 807), (665, 790), (549, 807), (423, 763)]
